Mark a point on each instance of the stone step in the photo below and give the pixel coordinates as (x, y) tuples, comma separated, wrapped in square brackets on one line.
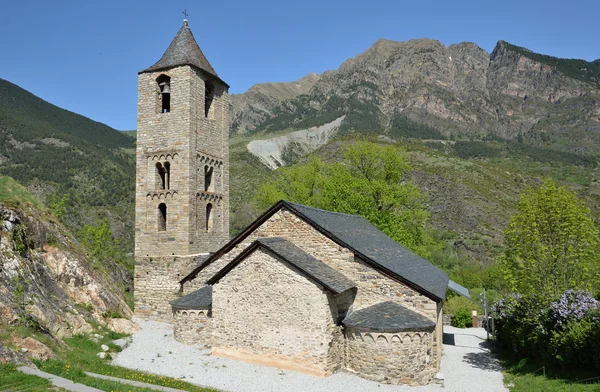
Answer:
[(58, 381)]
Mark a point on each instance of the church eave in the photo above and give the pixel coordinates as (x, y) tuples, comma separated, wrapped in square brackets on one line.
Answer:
[(166, 68)]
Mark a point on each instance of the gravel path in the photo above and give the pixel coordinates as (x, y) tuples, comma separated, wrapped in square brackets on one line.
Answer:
[(466, 365)]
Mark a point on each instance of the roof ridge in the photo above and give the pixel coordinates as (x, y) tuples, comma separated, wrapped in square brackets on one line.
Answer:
[(322, 210)]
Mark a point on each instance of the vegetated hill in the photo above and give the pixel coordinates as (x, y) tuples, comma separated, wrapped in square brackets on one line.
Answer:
[(421, 88), (471, 187), (83, 169)]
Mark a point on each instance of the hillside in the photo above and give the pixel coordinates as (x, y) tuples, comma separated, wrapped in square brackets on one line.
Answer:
[(471, 188), (48, 283), (256, 105), (421, 88), (83, 170)]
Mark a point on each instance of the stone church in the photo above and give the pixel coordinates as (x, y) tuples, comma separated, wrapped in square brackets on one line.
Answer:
[(300, 288)]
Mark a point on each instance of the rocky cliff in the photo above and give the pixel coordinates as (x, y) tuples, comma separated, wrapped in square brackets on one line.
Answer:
[(46, 280), (257, 104), (425, 89)]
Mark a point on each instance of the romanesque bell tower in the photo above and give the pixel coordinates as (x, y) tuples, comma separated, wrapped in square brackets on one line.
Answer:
[(182, 181)]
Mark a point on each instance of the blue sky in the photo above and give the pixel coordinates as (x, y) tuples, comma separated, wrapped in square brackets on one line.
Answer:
[(84, 55)]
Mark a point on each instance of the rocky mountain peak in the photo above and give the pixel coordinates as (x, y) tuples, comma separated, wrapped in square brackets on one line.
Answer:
[(455, 89)]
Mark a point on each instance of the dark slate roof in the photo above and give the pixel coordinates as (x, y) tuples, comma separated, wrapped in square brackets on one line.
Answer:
[(200, 299), (388, 317), (365, 240), (302, 262), (184, 50), (356, 233)]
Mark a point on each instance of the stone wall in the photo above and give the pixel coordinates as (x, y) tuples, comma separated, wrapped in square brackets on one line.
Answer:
[(192, 326), (400, 358), (265, 312), (373, 286), (156, 282), (188, 141)]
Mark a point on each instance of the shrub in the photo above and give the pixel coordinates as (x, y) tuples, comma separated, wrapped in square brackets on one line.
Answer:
[(565, 332), (520, 324), (462, 318), (573, 305)]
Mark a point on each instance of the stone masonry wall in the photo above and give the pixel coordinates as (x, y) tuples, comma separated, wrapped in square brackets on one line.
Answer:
[(186, 140), (156, 282), (373, 286), (191, 326), (163, 137), (265, 312), (400, 358)]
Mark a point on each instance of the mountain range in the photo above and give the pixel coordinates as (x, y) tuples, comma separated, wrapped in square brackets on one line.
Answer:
[(421, 88)]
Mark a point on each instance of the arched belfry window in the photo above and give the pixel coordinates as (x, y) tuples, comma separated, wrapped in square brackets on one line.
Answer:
[(167, 168), (209, 217), (162, 217), (209, 94), (161, 176), (164, 84), (208, 178)]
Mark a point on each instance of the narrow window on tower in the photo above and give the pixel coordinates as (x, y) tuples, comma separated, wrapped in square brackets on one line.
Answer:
[(160, 176), (209, 94), (167, 167), (209, 217), (208, 179), (162, 217), (164, 84)]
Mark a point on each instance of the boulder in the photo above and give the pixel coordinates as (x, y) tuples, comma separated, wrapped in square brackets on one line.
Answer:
[(34, 349), (8, 355), (121, 325)]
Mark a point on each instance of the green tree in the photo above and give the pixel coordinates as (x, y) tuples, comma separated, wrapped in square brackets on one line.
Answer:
[(100, 243), (370, 181), (551, 243)]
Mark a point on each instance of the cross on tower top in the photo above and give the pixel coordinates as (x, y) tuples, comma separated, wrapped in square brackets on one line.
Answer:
[(185, 14)]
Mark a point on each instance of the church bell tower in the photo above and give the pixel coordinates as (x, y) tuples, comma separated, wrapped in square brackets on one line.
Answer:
[(182, 167)]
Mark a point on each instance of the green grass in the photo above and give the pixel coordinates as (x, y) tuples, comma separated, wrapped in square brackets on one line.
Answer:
[(80, 356), (76, 374), (15, 195), (530, 377), (77, 355), (13, 380)]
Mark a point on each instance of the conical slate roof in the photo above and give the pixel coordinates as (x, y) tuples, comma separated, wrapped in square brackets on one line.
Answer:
[(183, 50)]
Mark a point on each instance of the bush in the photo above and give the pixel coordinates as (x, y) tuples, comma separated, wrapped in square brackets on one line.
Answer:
[(520, 324), (565, 332), (462, 318)]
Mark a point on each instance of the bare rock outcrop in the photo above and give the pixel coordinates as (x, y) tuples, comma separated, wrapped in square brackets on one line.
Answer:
[(53, 288)]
